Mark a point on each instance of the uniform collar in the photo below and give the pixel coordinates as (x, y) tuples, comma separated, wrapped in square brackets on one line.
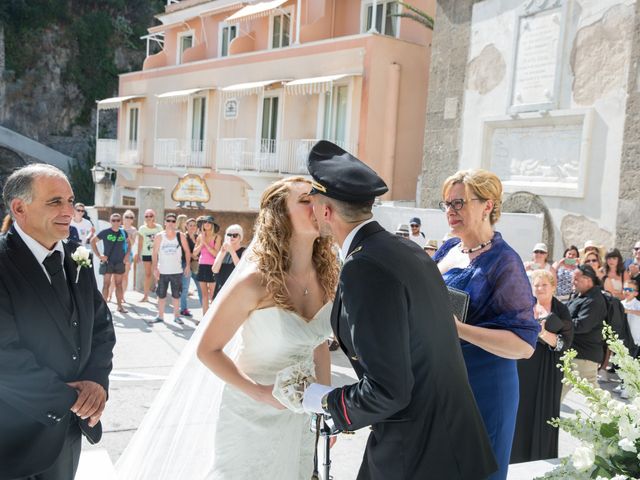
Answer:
[(344, 249), (36, 248)]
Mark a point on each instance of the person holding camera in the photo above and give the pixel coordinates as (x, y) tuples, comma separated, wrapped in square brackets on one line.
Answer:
[(564, 270), (228, 257)]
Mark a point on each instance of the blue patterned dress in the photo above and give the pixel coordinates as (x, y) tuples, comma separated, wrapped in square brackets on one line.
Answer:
[(500, 298)]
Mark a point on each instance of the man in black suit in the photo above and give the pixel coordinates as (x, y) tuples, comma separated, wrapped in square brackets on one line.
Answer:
[(56, 334), (392, 317)]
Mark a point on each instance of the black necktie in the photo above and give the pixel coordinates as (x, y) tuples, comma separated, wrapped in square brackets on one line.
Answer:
[(53, 265)]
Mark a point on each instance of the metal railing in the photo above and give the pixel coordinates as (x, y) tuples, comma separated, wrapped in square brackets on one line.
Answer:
[(108, 152), (182, 153), (266, 155)]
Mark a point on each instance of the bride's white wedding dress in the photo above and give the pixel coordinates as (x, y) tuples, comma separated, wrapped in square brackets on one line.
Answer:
[(253, 439)]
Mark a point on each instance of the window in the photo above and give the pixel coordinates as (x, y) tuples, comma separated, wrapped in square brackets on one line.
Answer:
[(386, 23), (229, 32), (128, 201), (185, 41), (335, 114), (132, 127), (281, 30), (269, 124), (198, 111)]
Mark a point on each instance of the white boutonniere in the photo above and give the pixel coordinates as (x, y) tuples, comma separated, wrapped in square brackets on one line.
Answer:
[(81, 257)]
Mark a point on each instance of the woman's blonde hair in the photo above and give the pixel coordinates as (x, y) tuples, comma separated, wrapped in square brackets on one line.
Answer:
[(541, 273), (588, 254), (181, 222), (484, 184), (273, 232)]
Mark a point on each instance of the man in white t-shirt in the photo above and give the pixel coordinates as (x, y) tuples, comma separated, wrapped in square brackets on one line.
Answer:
[(416, 235), (84, 226), (631, 306)]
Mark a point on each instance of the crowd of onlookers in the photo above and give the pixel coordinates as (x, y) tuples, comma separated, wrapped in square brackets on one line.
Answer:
[(179, 253)]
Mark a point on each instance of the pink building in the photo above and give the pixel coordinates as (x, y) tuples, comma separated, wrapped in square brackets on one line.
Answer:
[(240, 91)]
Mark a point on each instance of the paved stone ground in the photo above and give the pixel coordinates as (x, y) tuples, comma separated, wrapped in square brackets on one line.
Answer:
[(144, 356)]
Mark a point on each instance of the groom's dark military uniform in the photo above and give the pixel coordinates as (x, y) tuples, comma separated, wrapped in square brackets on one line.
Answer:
[(392, 318), (48, 336)]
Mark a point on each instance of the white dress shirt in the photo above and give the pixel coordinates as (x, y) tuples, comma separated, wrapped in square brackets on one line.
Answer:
[(38, 250), (344, 249)]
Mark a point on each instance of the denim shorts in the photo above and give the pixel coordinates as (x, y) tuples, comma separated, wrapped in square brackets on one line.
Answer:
[(175, 280)]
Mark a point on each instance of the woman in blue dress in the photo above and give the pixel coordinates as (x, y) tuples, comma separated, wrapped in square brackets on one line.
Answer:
[(500, 327)]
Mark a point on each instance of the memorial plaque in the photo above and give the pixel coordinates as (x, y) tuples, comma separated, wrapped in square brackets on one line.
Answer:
[(536, 64)]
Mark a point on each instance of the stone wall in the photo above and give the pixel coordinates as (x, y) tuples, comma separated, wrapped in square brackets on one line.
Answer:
[(627, 224), (450, 49)]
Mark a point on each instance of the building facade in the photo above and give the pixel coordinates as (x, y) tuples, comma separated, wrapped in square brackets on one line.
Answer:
[(240, 91), (544, 93)]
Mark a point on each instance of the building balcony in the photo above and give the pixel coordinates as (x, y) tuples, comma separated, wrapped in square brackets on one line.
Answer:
[(266, 156), (182, 154), (110, 153)]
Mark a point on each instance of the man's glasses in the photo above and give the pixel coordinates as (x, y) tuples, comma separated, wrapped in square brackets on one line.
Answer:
[(456, 204), (79, 210), (233, 235), (170, 221), (115, 220), (629, 289)]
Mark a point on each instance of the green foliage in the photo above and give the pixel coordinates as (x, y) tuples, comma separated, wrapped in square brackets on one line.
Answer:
[(91, 30), (80, 176), (417, 15)]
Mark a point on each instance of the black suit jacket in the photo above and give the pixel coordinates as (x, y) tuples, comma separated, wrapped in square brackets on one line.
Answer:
[(393, 320), (39, 353)]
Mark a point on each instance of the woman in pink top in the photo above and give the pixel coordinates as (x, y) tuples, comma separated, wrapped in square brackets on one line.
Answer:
[(207, 246)]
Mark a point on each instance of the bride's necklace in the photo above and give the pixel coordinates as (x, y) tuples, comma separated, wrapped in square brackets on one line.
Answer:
[(305, 287), (476, 248)]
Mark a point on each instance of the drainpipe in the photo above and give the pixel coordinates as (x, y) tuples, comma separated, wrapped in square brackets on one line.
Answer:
[(390, 126), (298, 15)]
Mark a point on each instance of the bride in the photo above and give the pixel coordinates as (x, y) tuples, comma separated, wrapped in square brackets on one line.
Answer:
[(272, 313)]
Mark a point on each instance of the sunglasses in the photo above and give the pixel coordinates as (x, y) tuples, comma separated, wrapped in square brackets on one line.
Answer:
[(170, 221), (129, 218), (629, 289), (593, 260), (79, 210), (233, 235), (403, 235), (538, 251), (148, 216), (636, 248), (115, 220)]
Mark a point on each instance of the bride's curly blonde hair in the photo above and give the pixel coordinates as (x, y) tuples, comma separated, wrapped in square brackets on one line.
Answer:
[(272, 242)]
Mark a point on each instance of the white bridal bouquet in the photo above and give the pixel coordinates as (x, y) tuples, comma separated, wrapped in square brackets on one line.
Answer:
[(610, 431), (291, 383)]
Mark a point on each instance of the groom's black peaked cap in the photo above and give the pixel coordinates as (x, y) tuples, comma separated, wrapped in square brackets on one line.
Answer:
[(338, 174)]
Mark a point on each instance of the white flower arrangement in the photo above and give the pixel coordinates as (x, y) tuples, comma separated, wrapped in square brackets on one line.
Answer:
[(291, 383), (82, 258), (610, 431)]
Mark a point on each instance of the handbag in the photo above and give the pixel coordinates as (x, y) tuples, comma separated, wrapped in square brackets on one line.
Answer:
[(459, 300)]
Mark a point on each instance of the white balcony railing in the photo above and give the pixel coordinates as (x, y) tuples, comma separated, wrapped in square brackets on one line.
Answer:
[(284, 156), (180, 153), (108, 152)]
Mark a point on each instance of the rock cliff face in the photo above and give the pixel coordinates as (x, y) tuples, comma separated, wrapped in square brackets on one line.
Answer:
[(48, 89)]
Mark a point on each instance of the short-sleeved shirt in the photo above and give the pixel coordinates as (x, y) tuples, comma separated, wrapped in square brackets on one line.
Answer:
[(633, 319), (420, 239), (113, 245), (84, 227), (148, 234)]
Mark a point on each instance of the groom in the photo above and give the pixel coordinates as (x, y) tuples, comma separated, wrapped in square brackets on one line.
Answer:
[(392, 318)]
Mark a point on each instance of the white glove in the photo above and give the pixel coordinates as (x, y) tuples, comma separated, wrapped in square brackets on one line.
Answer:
[(312, 399)]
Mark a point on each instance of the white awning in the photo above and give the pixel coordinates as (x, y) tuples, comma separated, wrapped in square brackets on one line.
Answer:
[(253, 11), (250, 88), (311, 86), (180, 95), (115, 102)]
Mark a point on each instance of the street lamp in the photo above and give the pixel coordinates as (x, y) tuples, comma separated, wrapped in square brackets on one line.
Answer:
[(98, 172)]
